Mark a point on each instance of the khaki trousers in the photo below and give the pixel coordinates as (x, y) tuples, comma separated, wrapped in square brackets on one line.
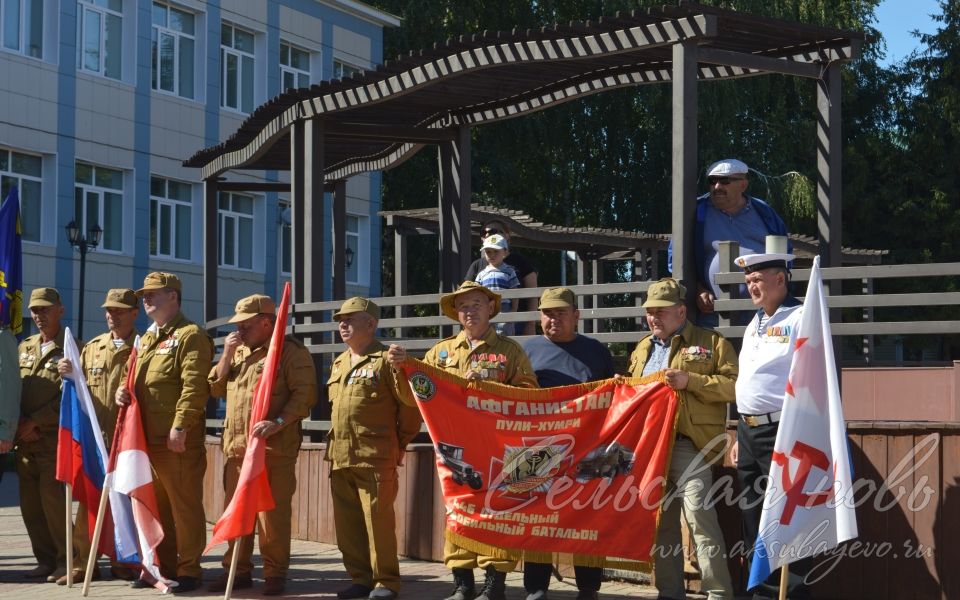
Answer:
[(178, 482), (688, 484), (455, 557), (273, 527), (366, 527), (42, 502)]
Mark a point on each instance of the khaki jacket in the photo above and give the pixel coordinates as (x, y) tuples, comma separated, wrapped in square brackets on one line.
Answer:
[(294, 392), (103, 366), (712, 365), (171, 380), (371, 424), (40, 390), (496, 358)]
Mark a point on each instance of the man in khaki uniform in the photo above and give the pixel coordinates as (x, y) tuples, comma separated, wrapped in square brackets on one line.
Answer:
[(42, 497), (236, 376), (702, 367), (171, 385), (477, 352), (103, 360), (370, 429)]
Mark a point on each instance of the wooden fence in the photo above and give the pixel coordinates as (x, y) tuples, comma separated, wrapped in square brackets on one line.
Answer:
[(908, 510)]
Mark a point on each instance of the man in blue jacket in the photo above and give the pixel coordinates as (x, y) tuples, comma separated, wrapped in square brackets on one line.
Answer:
[(725, 213)]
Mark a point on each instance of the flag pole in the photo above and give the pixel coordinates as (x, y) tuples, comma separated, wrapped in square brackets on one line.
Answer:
[(234, 559), (784, 577), (95, 543), (69, 535)]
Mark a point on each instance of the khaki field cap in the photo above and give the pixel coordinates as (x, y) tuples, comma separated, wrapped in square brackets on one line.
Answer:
[(448, 301), (158, 281), (251, 306), (666, 292), (120, 298), (358, 305), (44, 297), (557, 298)]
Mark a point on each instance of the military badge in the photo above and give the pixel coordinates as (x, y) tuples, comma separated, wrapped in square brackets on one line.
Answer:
[(423, 387)]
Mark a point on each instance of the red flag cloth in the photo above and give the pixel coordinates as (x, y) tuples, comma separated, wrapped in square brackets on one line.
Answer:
[(133, 500), (577, 469), (253, 493)]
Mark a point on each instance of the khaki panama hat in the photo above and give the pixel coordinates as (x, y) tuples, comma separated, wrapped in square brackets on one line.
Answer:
[(559, 297), (158, 281), (44, 297), (666, 292), (448, 301)]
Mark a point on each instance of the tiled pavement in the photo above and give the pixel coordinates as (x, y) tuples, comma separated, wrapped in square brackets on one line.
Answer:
[(316, 571)]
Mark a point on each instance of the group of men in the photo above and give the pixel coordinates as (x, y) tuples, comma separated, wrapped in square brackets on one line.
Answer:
[(174, 377), (374, 415)]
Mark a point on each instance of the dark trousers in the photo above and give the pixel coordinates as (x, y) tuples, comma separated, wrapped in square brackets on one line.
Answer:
[(536, 576), (753, 469)]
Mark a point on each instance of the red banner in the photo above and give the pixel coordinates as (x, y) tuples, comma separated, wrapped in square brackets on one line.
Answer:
[(577, 469)]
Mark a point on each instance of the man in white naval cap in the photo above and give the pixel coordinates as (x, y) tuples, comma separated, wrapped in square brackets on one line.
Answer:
[(726, 213), (768, 346)]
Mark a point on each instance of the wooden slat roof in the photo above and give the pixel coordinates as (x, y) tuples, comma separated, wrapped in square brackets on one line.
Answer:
[(379, 118), (614, 244)]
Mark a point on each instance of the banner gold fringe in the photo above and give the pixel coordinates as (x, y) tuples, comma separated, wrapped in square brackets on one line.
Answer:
[(580, 560)]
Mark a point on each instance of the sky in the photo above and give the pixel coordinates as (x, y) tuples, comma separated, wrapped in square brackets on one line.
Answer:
[(897, 18)]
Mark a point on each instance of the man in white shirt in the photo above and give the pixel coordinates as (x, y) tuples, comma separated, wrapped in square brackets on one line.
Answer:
[(768, 346)]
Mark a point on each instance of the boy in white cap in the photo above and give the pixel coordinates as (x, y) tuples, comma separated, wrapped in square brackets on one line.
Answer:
[(768, 346), (498, 275), (726, 213)]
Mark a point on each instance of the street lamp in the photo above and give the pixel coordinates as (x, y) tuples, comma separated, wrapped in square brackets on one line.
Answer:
[(83, 244), (348, 257)]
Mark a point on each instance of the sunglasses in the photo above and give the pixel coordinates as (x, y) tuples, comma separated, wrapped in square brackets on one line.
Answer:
[(723, 180), (490, 231)]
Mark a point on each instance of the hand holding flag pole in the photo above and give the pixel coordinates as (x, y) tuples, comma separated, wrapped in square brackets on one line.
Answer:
[(252, 494)]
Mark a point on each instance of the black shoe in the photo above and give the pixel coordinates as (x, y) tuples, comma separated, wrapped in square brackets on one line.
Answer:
[(139, 584), (587, 595), (354, 591), (463, 585), (187, 584), (494, 586), (382, 593)]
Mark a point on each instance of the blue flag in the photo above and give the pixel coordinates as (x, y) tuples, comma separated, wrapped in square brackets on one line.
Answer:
[(11, 265)]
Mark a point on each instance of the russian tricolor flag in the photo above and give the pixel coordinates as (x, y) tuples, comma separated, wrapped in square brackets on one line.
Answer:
[(133, 502), (81, 453)]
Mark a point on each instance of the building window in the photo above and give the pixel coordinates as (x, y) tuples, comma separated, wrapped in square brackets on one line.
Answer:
[(21, 26), (342, 70), (173, 50), (294, 67), (171, 213), (352, 231), (25, 172), (99, 201), (235, 230), (236, 68), (100, 36), (285, 237)]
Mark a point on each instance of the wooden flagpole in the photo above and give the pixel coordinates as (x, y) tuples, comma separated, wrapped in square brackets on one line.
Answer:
[(784, 579), (95, 544), (69, 515), (234, 559)]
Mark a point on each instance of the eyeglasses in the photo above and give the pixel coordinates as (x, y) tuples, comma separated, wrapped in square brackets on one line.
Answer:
[(490, 231), (723, 180)]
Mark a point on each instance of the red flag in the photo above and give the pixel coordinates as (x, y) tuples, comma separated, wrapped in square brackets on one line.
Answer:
[(253, 488), (133, 501)]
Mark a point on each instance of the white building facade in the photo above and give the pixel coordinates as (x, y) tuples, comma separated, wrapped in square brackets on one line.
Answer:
[(103, 100)]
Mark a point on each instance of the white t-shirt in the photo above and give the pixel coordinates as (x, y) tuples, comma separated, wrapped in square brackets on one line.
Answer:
[(765, 361)]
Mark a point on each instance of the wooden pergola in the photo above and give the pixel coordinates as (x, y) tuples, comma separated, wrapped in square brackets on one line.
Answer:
[(325, 134)]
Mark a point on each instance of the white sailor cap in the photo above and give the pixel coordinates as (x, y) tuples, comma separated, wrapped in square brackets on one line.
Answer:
[(758, 262)]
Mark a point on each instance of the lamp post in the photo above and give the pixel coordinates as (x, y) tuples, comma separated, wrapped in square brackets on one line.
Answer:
[(83, 244)]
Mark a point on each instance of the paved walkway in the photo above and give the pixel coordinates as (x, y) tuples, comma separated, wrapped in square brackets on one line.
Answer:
[(316, 571)]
